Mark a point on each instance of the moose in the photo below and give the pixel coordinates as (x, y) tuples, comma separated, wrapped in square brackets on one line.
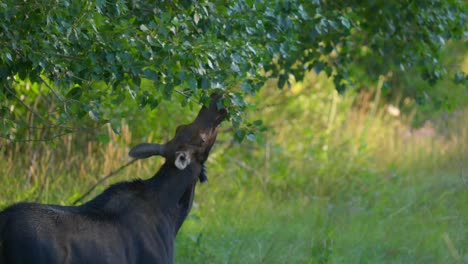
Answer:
[(130, 222)]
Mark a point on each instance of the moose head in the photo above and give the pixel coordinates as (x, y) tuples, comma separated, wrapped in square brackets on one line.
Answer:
[(192, 142)]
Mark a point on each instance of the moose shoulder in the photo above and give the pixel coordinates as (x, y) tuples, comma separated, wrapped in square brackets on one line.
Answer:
[(130, 222)]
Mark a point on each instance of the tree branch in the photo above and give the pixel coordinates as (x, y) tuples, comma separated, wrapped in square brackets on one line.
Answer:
[(101, 180)]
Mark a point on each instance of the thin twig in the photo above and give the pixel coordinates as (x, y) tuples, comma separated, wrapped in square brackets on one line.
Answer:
[(46, 179), (52, 90), (27, 106), (69, 130), (102, 180), (463, 178), (188, 97), (460, 161), (243, 165), (37, 140), (401, 209), (451, 247)]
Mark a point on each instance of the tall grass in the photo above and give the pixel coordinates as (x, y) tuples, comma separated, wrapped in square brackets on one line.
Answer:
[(333, 183), (336, 179)]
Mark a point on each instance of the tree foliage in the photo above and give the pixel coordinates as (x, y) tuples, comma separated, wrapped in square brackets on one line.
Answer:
[(72, 63)]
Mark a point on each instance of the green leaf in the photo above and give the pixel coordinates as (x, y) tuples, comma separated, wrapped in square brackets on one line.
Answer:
[(150, 74), (94, 114), (191, 83), (247, 88), (8, 56), (235, 67), (103, 138), (345, 22), (75, 93), (283, 78), (153, 102), (239, 135), (258, 123), (115, 125), (460, 77), (144, 28)]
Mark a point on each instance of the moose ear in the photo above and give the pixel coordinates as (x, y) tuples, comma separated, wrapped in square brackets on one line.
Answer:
[(182, 159), (145, 150)]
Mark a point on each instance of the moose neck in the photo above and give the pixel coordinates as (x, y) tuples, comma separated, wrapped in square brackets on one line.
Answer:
[(171, 185)]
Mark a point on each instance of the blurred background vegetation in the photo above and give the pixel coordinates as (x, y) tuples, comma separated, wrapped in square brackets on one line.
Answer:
[(373, 175)]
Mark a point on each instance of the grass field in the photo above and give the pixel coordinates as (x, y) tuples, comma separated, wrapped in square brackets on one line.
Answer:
[(328, 183), (411, 218)]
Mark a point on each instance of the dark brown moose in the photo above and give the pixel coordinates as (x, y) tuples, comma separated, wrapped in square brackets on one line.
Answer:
[(130, 222)]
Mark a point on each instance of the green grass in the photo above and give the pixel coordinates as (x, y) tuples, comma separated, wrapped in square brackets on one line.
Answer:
[(416, 218)]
